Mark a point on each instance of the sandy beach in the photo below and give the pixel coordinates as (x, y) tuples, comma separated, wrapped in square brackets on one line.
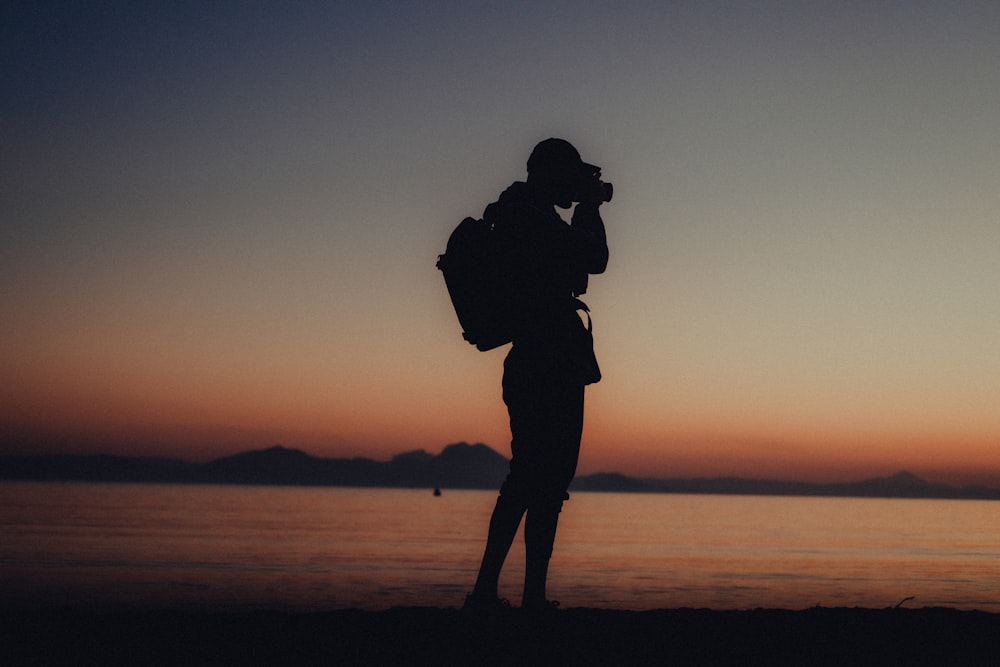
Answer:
[(438, 636)]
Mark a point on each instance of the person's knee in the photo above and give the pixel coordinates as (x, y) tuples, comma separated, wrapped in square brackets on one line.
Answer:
[(534, 497)]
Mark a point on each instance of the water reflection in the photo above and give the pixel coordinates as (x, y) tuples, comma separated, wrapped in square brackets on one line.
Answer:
[(322, 548)]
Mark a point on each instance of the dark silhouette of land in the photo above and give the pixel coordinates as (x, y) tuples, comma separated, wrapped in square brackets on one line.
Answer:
[(434, 636), (458, 466)]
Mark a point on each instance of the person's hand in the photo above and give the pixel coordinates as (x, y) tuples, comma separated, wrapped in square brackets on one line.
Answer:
[(592, 191)]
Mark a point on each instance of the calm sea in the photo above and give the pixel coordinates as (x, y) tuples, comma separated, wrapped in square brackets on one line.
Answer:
[(223, 547)]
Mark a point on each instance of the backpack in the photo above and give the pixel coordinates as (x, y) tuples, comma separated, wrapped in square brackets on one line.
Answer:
[(473, 275)]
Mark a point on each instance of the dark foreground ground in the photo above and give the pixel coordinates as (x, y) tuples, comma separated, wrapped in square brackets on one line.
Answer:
[(433, 636)]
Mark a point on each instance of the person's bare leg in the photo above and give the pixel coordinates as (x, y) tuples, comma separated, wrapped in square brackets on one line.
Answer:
[(506, 518), (539, 538)]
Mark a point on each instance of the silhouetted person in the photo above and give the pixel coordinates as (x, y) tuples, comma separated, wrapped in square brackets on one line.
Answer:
[(551, 359)]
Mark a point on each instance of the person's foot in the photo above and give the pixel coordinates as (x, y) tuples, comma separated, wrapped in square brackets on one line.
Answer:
[(485, 604)]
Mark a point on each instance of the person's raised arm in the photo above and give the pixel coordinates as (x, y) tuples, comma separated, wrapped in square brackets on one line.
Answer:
[(588, 224)]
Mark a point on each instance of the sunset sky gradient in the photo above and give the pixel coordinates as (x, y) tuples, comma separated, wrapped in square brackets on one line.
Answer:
[(221, 222)]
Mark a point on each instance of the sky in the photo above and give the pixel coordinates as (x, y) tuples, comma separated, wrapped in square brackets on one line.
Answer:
[(221, 222)]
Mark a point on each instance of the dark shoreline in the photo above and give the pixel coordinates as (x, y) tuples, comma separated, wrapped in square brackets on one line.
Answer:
[(439, 636)]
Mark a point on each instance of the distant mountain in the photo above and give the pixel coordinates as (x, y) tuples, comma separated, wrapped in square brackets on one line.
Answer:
[(901, 485), (612, 481), (458, 466), (100, 467)]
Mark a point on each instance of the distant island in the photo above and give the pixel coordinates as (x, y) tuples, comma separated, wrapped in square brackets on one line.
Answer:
[(458, 466)]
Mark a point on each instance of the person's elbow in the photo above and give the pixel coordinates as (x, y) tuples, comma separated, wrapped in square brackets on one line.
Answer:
[(598, 263)]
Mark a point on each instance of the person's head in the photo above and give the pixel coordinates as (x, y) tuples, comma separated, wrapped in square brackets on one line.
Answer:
[(556, 170)]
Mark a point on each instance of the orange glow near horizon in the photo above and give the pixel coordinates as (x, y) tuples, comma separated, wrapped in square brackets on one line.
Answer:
[(345, 402), (206, 422)]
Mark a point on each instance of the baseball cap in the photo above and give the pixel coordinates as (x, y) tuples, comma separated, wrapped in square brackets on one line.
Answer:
[(558, 156)]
